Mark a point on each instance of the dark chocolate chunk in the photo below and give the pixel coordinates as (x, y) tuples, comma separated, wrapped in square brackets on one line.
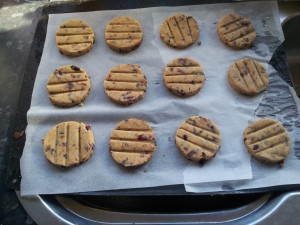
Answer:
[(75, 68), (202, 161), (191, 153), (244, 23)]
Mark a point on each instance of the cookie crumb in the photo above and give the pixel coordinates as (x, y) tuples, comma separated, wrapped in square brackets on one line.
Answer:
[(199, 43), (81, 105), (281, 164), (18, 134)]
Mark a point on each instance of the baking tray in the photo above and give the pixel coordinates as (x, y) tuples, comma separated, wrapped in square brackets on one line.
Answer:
[(16, 146)]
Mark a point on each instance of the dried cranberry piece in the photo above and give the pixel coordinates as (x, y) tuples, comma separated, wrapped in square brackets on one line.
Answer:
[(70, 85), (142, 137)]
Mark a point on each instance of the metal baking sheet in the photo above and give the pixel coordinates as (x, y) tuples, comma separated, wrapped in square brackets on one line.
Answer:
[(26, 98)]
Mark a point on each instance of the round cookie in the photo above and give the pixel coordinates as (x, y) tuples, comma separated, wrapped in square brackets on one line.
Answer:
[(68, 86), (123, 34), (198, 139), (236, 31), (183, 77), (132, 143), (179, 31), (125, 84), (69, 143), (267, 140), (75, 37), (248, 76)]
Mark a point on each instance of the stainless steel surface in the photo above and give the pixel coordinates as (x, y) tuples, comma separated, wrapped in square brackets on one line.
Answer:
[(105, 216), (42, 212), (265, 209), (76, 211)]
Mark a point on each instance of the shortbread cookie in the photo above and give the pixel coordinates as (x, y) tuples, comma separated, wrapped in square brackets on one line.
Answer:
[(69, 143), (236, 31), (267, 140), (183, 77), (75, 37), (68, 85), (179, 31), (123, 34), (132, 143), (125, 84), (248, 76), (198, 139)]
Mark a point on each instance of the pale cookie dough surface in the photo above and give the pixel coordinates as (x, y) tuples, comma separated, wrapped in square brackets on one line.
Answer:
[(132, 143), (123, 34), (183, 77), (198, 139), (236, 31), (125, 84), (75, 37), (179, 31), (69, 143), (248, 76), (68, 86), (267, 140)]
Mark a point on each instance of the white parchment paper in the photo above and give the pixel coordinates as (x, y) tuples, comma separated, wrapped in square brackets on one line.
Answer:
[(281, 103), (161, 109)]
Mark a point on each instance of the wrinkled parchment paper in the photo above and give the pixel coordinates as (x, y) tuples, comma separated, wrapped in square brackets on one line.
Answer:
[(161, 109), (281, 103)]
